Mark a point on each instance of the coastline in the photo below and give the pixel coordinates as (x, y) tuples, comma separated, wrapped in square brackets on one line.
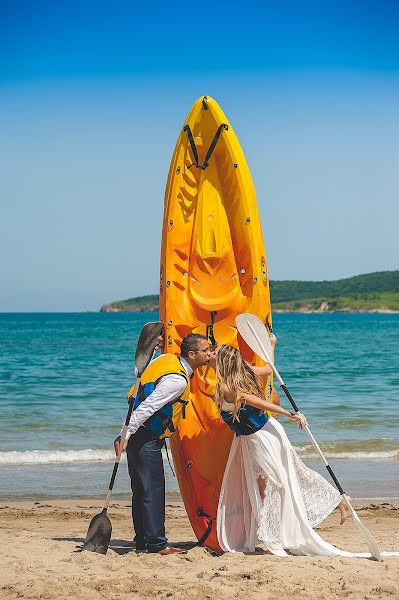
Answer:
[(352, 311), (324, 307), (348, 311), (39, 559), (361, 475)]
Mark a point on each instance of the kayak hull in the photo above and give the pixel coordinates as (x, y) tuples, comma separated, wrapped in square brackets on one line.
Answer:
[(212, 259)]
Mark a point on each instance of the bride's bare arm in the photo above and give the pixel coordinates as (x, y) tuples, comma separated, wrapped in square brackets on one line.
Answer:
[(257, 402), (275, 396), (265, 370), (227, 395)]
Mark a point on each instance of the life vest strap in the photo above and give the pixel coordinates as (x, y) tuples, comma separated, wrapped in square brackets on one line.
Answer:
[(163, 422), (182, 373)]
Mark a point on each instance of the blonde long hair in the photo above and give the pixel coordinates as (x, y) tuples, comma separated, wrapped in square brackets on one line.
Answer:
[(234, 372)]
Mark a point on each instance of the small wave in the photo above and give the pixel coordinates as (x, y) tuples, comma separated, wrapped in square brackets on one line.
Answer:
[(42, 457), (88, 455), (55, 456), (310, 452)]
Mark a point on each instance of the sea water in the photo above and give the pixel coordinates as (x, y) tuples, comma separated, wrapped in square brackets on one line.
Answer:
[(64, 377)]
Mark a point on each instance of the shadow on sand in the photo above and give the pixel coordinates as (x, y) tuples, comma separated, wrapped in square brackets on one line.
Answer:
[(121, 546)]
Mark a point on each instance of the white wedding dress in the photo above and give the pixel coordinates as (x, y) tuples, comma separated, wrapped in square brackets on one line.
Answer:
[(296, 498)]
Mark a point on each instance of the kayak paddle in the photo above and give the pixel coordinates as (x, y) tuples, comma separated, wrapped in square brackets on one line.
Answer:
[(256, 336), (100, 528)]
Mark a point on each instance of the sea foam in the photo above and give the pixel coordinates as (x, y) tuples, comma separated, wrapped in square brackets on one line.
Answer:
[(353, 455), (55, 456), (88, 455)]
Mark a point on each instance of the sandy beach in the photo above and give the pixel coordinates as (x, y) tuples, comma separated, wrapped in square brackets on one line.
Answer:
[(39, 559)]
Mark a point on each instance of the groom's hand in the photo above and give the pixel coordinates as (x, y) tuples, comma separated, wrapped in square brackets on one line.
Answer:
[(117, 445)]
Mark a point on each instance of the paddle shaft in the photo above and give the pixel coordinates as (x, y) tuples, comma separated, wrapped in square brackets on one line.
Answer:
[(372, 544), (307, 429), (123, 438), (252, 330)]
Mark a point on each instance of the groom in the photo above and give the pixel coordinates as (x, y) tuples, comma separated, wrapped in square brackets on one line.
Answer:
[(159, 406)]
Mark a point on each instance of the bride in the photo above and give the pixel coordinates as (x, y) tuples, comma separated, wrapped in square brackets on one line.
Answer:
[(268, 494)]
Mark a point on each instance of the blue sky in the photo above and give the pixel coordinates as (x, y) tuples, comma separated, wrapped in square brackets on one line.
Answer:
[(92, 98)]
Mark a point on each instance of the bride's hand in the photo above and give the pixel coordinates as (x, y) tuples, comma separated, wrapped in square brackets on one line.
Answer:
[(273, 339), (212, 358), (301, 419)]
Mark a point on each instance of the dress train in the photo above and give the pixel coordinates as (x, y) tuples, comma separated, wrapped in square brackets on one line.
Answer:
[(296, 498)]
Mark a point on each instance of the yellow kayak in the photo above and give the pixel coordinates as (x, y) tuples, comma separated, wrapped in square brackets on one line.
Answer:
[(213, 267)]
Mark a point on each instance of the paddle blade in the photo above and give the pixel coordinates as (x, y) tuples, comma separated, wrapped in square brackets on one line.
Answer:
[(146, 344), (372, 544), (255, 335), (99, 534)]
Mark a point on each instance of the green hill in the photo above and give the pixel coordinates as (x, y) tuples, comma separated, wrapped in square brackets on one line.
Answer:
[(368, 302), (374, 292), (383, 281), (139, 304)]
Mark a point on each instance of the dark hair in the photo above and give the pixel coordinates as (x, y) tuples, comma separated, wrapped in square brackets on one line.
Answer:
[(190, 343)]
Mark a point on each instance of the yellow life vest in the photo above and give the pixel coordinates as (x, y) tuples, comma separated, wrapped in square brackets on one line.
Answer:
[(162, 423)]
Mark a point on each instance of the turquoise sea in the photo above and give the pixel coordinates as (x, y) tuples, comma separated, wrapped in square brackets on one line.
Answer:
[(63, 379)]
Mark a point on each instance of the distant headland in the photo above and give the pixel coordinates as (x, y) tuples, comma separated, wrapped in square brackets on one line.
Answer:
[(374, 292)]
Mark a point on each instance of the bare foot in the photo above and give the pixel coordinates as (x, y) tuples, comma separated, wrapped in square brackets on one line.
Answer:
[(344, 511)]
